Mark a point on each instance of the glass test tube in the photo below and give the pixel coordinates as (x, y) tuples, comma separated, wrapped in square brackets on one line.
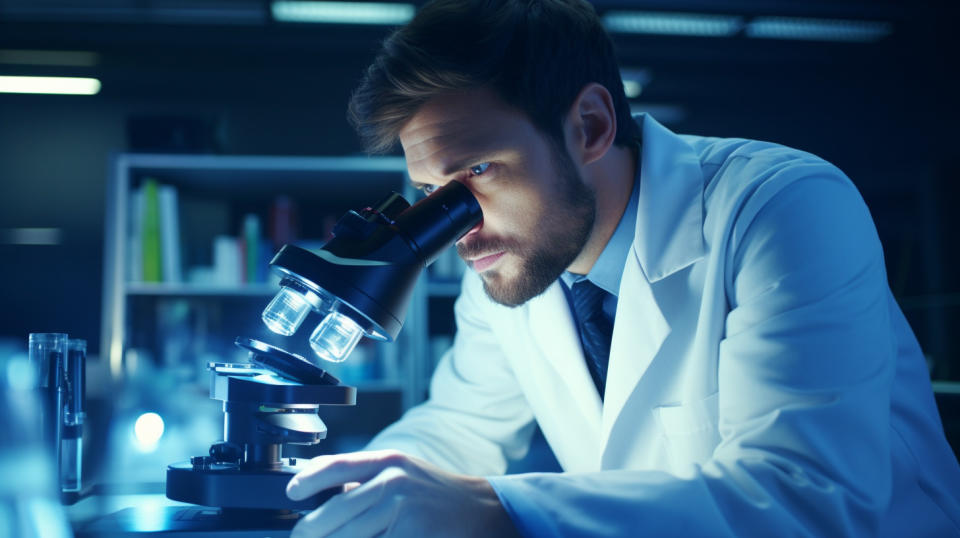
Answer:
[(72, 445), (47, 356), (29, 503)]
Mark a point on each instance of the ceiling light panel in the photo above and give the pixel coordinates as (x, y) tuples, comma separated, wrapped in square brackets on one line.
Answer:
[(50, 85), (810, 29), (343, 12), (678, 24)]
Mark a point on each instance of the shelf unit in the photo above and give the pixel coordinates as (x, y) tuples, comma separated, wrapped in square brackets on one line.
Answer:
[(338, 183), (194, 290)]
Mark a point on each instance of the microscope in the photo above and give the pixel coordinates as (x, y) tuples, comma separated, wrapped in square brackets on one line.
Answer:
[(360, 282)]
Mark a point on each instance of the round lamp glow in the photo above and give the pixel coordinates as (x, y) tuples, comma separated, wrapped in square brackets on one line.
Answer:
[(148, 429)]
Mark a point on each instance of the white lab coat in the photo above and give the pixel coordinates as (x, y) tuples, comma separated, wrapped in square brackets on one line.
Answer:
[(762, 380)]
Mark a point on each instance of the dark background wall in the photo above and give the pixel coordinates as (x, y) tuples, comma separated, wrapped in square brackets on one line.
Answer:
[(884, 112)]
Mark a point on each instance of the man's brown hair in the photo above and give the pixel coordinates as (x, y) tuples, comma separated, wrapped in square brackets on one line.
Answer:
[(535, 54)]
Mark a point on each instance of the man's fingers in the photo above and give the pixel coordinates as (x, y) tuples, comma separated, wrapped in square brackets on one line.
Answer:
[(295, 490), (345, 508), (375, 521), (329, 471)]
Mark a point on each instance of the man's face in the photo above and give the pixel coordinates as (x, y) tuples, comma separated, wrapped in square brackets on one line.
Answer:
[(537, 211)]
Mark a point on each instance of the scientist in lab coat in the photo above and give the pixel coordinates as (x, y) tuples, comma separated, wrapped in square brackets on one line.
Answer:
[(701, 327)]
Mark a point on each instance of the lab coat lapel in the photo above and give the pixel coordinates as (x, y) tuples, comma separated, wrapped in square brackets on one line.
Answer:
[(668, 237), (669, 231), (555, 333), (638, 333)]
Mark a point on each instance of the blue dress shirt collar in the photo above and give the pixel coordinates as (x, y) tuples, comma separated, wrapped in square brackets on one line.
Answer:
[(608, 269)]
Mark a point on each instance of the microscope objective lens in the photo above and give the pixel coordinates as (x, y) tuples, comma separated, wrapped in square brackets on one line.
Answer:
[(335, 337), (286, 312)]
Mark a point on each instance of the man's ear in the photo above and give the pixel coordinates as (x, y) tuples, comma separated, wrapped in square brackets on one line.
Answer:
[(591, 125)]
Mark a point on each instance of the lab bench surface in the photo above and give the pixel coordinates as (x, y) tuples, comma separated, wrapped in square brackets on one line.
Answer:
[(148, 512)]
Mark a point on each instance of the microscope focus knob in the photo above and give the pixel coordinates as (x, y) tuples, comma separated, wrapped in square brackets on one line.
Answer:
[(224, 452)]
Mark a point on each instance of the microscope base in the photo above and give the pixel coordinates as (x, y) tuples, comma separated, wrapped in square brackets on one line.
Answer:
[(229, 486), (182, 522)]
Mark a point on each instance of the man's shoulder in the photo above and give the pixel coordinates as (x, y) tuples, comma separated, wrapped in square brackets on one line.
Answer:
[(733, 168), (742, 177), (716, 152)]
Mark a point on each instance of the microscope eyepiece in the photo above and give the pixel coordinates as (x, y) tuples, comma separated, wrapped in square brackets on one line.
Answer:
[(435, 222)]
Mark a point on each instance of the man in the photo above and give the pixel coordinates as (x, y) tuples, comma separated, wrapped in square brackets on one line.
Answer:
[(701, 327)]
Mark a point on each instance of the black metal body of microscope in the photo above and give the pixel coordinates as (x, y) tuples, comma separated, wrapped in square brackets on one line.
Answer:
[(361, 281), (269, 402)]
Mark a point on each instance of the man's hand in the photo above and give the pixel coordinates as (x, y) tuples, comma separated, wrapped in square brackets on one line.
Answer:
[(390, 493)]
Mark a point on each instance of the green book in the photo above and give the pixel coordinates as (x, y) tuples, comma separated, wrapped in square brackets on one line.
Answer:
[(251, 246), (152, 263)]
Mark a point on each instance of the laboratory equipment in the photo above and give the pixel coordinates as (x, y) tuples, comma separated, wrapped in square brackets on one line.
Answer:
[(362, 279), (239, 486), (270, 401), (29, 502), (71, 451), (360, 282), (48, 357)]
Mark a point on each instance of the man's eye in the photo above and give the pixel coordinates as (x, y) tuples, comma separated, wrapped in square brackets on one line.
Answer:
[(427, 188), (479, 168)]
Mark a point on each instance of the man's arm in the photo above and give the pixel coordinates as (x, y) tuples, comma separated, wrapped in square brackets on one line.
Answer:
[(804, 380), (804, 394), (477, 417), (422, 475)]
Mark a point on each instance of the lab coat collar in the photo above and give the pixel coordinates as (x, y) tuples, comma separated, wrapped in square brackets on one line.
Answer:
[(669, 232), (669, 237)]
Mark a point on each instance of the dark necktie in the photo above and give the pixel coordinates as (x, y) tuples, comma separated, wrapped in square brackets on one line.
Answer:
[(596, 329)]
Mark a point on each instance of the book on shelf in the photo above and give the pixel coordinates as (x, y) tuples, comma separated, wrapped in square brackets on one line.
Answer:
[(134, 245), (150, 232), (244, 259), (154, 234), (251, 248), (155, 246), (227, 266), (170, 234)]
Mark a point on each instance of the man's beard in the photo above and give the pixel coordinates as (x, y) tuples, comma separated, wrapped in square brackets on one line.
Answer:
[(563, 232)]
